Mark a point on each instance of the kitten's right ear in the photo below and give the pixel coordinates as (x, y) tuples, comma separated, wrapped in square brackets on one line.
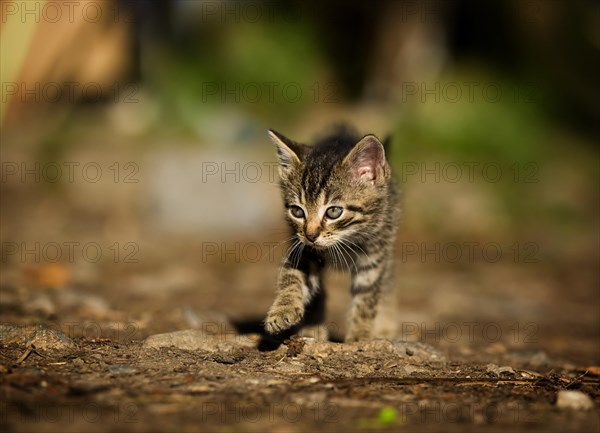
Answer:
[(366, 160), (288, 151)]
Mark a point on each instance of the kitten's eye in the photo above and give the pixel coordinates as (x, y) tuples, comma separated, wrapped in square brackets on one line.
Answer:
[(334, 212), (297, 211)]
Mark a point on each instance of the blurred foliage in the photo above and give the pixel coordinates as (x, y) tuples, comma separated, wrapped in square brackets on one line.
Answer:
[(190, 79), (242, 58), (501, 131), (540, 160)]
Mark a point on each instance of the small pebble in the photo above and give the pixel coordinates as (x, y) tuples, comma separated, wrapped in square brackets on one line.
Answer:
[(121, 369), (493, 368), (574, 400), (78, 362)]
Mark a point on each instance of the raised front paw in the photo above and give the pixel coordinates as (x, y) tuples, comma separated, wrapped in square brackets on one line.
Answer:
[(282, 317)]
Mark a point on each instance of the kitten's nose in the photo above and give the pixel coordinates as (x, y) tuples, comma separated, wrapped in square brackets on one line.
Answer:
[(312, 236)]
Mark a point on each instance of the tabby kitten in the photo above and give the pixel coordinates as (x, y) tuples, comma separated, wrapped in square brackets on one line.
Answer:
[(341, 206)]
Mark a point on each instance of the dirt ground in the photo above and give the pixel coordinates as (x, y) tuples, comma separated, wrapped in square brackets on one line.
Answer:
[(465, 359)]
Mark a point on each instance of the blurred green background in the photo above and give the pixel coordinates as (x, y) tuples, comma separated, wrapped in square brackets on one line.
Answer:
[(177, 89)]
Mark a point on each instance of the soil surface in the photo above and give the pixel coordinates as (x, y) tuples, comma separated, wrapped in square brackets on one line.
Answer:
[(144, 351)]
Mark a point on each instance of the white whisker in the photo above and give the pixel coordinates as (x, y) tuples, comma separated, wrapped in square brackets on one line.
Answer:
[(288, 256), (343, 244)]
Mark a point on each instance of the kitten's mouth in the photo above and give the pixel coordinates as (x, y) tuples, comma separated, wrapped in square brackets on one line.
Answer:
[(317, 244), (311, 244)]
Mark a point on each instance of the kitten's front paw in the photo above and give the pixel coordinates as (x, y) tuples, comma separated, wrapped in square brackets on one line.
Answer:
[(282, 317)]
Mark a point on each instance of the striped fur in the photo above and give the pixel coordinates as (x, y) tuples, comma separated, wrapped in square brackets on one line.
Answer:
[(340, 171)]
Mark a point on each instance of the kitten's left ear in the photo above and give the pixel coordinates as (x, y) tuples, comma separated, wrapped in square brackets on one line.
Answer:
[(366, 160), (288, 151)]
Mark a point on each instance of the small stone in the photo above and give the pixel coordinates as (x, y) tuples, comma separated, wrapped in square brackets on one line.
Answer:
[(390, 364), (78, 362), (493, 368), (528, 374), (121, 369), (197, 339), (409, 369), (320, 349), (50, 339), (44, 339), (419, 353), (573, 400)]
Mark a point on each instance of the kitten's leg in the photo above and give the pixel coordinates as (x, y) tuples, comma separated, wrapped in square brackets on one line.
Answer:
[(292, 294), (313, 325), (386, 321), (369, 282)]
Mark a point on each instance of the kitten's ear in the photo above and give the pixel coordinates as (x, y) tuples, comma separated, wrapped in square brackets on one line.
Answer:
[(288, 151), (366, 160)]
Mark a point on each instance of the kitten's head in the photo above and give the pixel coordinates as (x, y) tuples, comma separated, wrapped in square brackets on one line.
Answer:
[(335, 191)]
